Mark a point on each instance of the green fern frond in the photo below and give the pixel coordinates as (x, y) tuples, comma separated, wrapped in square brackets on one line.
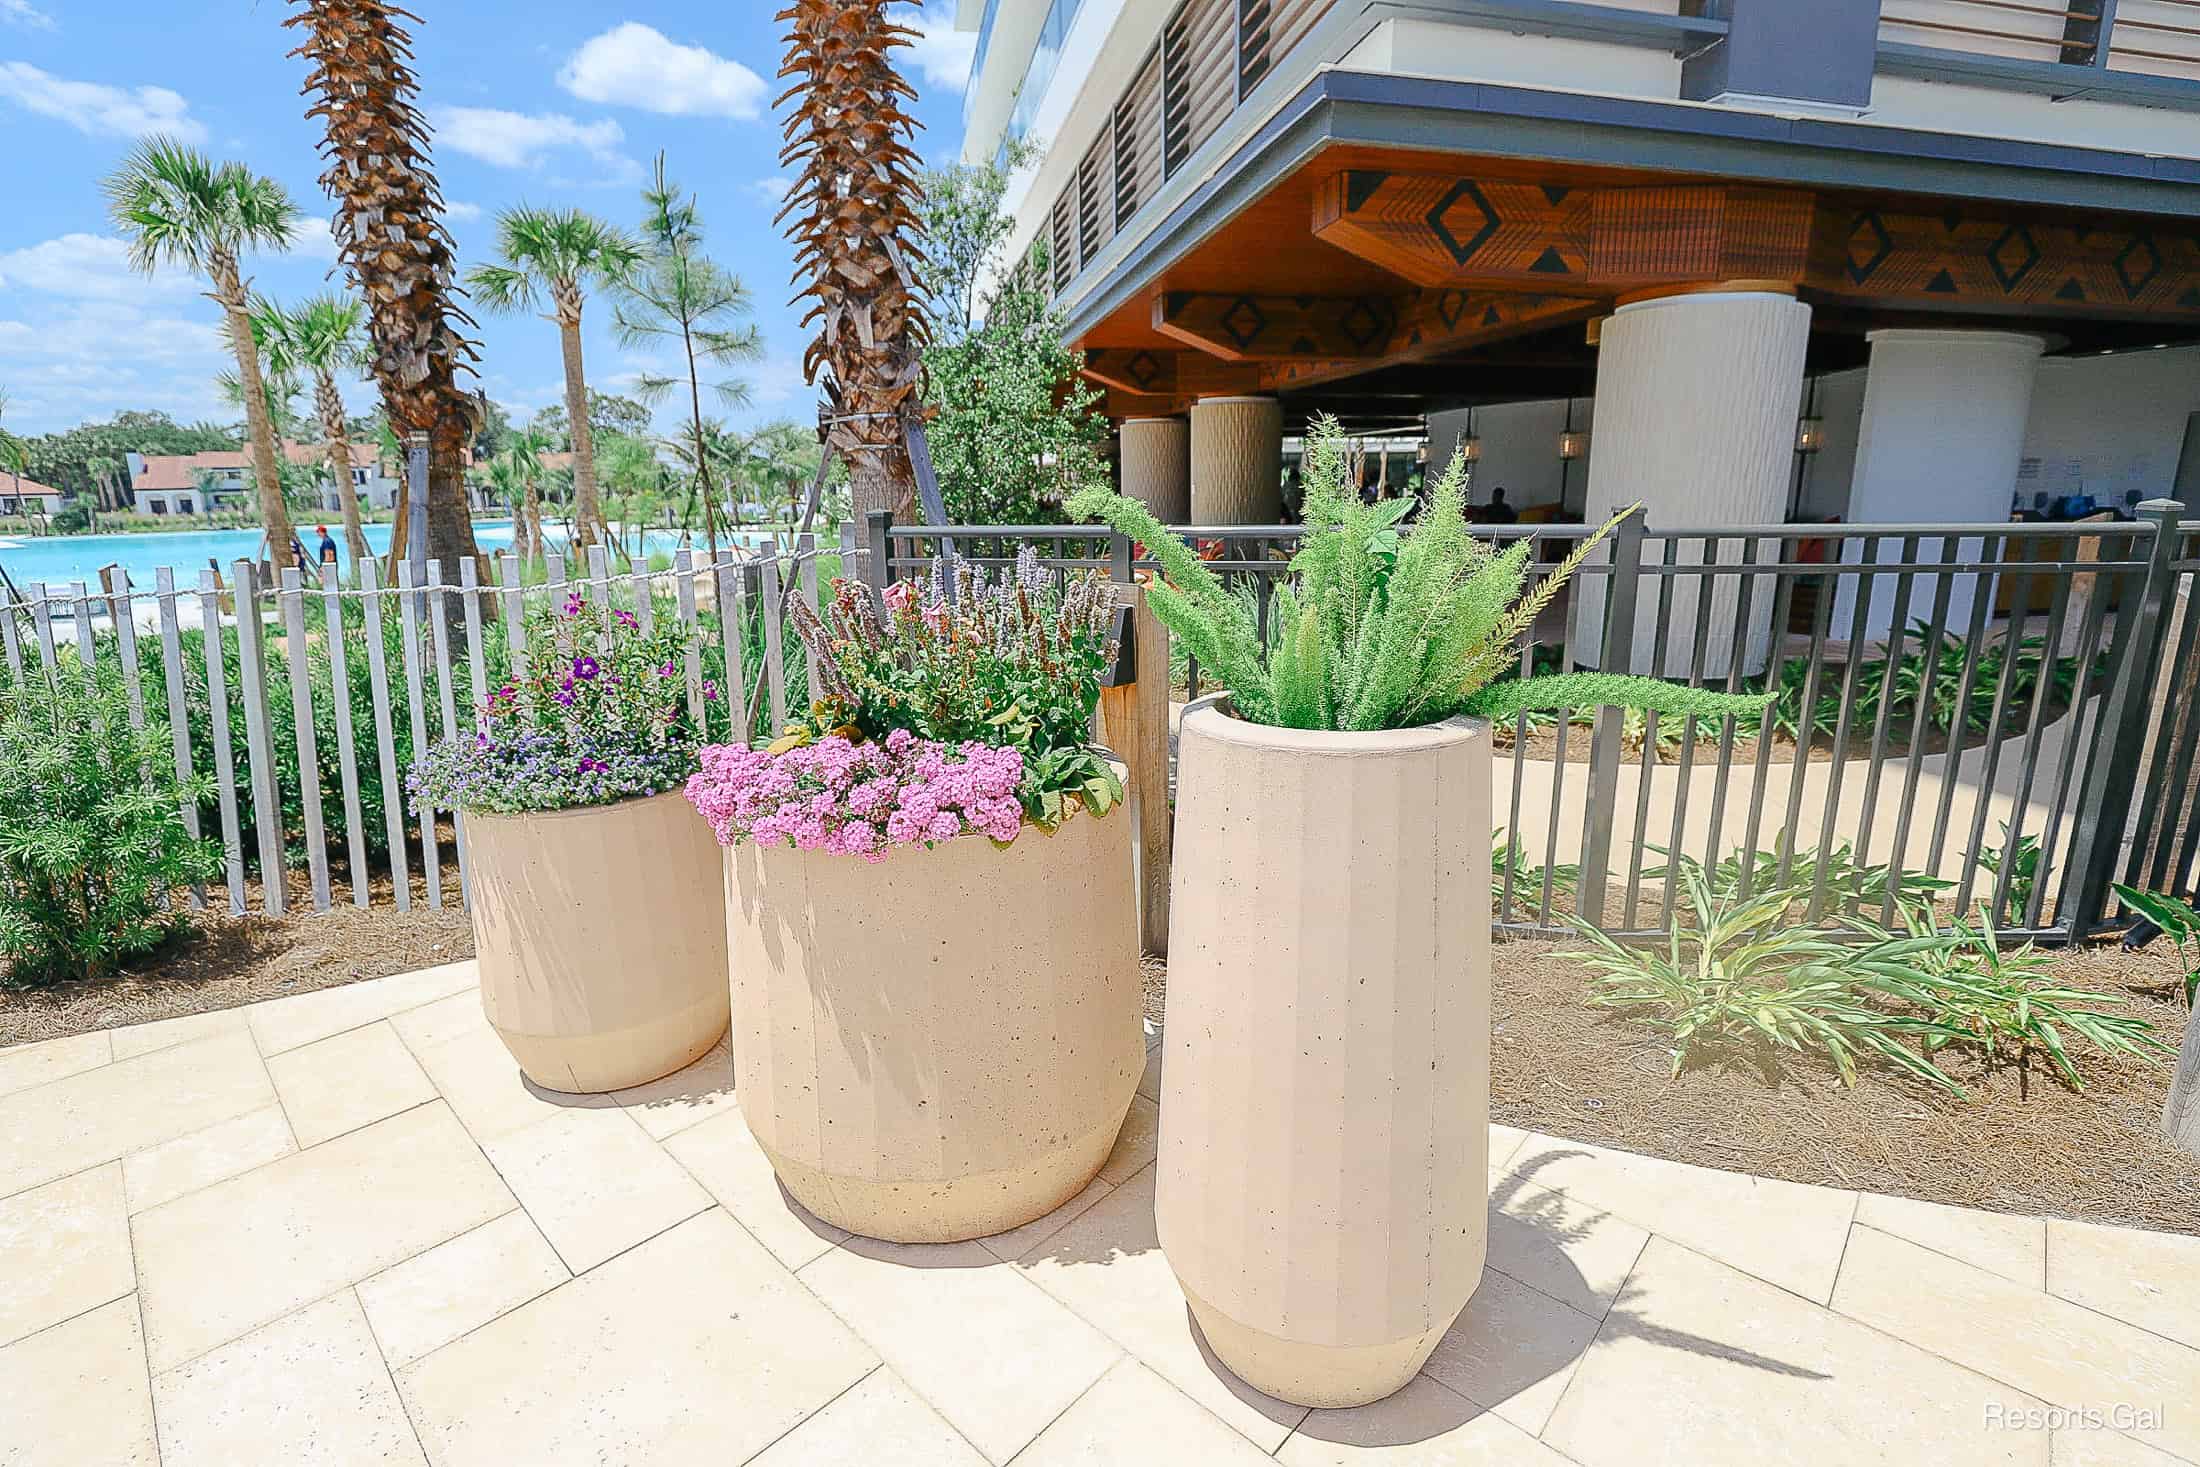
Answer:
[(1569, 690)]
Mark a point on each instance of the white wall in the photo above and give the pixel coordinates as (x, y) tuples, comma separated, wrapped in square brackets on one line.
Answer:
[(2108, 426), (1519, 451)]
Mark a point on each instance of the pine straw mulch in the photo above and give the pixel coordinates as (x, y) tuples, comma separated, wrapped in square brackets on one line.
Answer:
[(225, 961)]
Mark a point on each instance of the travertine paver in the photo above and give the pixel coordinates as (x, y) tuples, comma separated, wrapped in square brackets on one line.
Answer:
[(1634, 1311), (76, 1394), (431, 1299), (696, 1349), (934, 1313), (2066, 1354), (64, 1248), (309, 1388), (2148, 1279), (102, 1114), (243, 1253), (347, 1081)]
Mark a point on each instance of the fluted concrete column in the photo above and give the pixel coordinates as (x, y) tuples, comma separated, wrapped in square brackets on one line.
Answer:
[(1237, 461), (1943, 434), (1697, 398), (1156, 457)]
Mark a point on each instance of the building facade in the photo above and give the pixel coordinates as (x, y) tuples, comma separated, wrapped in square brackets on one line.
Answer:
[(203, 483), (1747, 261), (27, 497)]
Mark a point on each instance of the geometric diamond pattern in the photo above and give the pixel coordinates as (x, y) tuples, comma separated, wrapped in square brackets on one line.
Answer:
[(2013, 256), (1464, 209)]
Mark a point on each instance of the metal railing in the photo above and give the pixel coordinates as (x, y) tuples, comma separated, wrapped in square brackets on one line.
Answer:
[(1957, 714), (2157, 37)]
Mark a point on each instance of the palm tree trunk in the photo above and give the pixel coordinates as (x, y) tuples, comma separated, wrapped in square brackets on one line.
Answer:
[(530, 523), (266, 474), (585, 505), (331, 403), (450, 517), (702, 452)]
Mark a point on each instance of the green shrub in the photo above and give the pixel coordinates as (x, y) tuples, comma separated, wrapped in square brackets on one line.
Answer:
[(92, 840), (1836, 871), (2179, 921)]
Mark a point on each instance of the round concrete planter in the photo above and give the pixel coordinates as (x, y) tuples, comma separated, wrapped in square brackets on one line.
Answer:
[(943, 1045), (1324, 1175), (602, 940)]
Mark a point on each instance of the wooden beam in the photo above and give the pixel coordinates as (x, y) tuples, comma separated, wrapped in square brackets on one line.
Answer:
[(1968, 258), (1247, 328), (1437, 323), (1138, 372)]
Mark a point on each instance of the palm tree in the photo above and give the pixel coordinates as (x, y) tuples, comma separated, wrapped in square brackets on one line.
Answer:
[(559, 254), (682, 295), (857, 235), (175, 206), (525, 449), (15, 457), (390, 234), (323, 337)]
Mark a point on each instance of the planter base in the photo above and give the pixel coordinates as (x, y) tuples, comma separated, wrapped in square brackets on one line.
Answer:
[(956, 1211), (592, 1064), (1324, 1376)]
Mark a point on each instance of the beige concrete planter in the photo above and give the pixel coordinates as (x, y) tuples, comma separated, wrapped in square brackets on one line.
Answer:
[(602, 940), (1324, 1172), (943, 1045)]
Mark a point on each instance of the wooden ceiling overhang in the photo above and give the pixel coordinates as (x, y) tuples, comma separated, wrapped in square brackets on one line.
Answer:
[(1368, 260)]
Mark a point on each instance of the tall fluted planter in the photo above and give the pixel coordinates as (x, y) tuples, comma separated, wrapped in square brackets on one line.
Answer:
[(601, 938), (1237, 461), (1323, 1178), (942, 1045)]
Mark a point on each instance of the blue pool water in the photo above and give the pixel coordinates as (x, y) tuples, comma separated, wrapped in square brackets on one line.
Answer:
[(59, 560)]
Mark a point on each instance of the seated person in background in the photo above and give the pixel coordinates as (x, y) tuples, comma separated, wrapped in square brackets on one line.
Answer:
[(1497, 511)]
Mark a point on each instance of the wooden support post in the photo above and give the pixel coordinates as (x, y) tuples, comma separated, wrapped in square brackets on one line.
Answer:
[(1135, 718)]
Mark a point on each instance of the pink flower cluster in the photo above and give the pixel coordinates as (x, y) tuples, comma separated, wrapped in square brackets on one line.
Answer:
[(860, 799)]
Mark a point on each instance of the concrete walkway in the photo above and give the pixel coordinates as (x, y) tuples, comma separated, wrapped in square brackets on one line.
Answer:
[(337, 1228)]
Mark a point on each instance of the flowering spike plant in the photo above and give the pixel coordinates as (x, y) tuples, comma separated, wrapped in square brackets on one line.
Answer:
[(962, 706), (601, 716)]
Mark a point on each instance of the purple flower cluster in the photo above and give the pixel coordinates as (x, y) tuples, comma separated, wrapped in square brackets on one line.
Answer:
[(860, 799), (545, 769)]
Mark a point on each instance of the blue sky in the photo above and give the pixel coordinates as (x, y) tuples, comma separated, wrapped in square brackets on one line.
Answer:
[(548, 102)]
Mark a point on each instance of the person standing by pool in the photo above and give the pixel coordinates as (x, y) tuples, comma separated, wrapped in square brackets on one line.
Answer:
[(327, 552)]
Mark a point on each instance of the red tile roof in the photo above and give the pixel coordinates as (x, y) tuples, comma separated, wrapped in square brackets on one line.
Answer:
[(169, 471)]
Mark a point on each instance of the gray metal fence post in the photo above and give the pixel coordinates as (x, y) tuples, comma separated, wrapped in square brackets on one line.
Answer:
[(2105, 806), (1119, 558), (878, 564), (1604, 746)]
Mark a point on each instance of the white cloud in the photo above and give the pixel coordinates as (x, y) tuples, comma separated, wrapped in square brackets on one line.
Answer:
[(633, 65), (87, 267), (523, 139), (772, 192), (315, 239), (462, 211), (941, 53), (93, 107), (25, 14)]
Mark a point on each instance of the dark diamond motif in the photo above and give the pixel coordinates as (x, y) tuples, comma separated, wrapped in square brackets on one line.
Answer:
[(1144, 369), (2013, 256), (1477, 206), (1492, 317), (1450, 306), (1550, 262), (1245, 321), (1359, 187), (1941, 284), (1363, 325), (1868, 247), (1303, 347), (2137, 264)]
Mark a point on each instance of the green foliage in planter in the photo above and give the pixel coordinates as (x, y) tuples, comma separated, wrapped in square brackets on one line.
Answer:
[(1387, 627), (2177, 918), (92, 841)]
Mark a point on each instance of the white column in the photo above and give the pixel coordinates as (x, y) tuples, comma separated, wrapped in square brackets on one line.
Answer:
[(1696, 407), (1943, 433), (1237, 461), (1156, 455)]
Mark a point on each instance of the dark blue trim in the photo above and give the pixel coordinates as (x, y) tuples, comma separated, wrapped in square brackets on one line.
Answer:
[(2046, 78)]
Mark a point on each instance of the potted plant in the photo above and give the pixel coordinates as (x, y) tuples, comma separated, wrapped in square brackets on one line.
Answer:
[(1323, 1178), (930, 911), (594, 888)]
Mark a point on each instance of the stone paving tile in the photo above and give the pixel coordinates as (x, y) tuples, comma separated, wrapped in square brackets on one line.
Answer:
[(76, 1395), (477, 1075), (594, 1183), (230, 1148), (1016, 1242), (286, 1023), (1134, 1144), (310, 1388), (684, 1098), (694, 1350), (722, 1154), (2038, 1344), (1578, 1254), (243, 1253), (442, 1021), (166, 1033), (64, 1248), (2148, 1279), (101, 1115), (1424, 1425), (350, 1080), (25, 1065), (1700, 1364), (2092, 1447), (431, 1299), (1512, 1351), (1505, 1143), (2014, 1247), (1783, 1232), (994, 1355), (1107, 1265), (1134, 1418), (879, 1423)]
